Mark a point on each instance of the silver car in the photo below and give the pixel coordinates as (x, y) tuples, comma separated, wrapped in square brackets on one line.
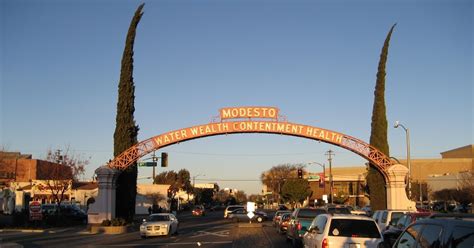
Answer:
[(163, 224)]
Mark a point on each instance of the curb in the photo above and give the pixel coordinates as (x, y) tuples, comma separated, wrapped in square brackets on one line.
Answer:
[(25, 230)]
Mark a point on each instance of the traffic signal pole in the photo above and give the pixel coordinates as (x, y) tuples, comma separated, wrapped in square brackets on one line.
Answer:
[(154, 159), (330, 153)]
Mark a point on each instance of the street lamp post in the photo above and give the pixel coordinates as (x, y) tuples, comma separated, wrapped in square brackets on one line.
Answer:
[(194, 178), (407, 132), (324, 174), (330, 153)]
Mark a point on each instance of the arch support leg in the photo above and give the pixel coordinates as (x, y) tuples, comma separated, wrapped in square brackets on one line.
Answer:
[(396, 194), (104, 206)]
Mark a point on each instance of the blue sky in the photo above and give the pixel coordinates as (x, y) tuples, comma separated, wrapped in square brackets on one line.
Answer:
[(314, 60)]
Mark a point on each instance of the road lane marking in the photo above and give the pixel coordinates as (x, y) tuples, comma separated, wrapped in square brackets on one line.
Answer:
[(223, 234), (169, 244)]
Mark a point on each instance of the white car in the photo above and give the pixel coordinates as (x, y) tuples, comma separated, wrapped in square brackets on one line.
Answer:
[(159, 225), (231, 208), (351, 231)]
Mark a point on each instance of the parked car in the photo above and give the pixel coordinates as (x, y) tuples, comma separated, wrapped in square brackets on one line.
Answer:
[(49, 209), (199, 211), (367, 209), (384, 217), (300, 220), (439, 230), (68, 211), (231, 208), (466, 208), (276, 217), (158, 225), (394, 230), (282, 224), (73, 212), (240, 214), (342, 230), (338, 210), (282, 207), (357, 211)]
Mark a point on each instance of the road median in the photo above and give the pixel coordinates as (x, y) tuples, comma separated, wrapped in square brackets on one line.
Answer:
[(250, 235)]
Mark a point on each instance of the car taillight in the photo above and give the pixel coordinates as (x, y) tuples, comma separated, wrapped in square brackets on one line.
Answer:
[(325, 243), (299, 226)]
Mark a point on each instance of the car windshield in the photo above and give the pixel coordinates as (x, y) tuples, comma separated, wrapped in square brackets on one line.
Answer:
[(354, 228), (285, 216), (396, 216), (158, 218), (310, 213), (239, 211), (233, 208)]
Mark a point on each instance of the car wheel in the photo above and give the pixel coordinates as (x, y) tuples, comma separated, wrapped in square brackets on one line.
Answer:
[(143, 236), (259, 219)]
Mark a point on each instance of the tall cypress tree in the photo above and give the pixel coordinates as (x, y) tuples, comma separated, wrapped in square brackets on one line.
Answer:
[(126, 130), (378, 135)]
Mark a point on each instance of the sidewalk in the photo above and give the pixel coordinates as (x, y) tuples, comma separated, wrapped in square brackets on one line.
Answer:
[(42, 230)]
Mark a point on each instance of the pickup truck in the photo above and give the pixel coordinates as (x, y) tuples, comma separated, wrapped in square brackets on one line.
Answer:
[(300, 220)]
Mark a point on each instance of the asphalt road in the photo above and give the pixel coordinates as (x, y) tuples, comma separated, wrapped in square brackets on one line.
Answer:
[(211, 230)]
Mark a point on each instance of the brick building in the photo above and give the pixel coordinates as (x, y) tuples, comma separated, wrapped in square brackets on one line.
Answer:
[(23, 179), (17, 167)]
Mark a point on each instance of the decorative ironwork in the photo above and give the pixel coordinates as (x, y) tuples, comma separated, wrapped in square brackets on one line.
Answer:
[(376, 157), (131, 155)]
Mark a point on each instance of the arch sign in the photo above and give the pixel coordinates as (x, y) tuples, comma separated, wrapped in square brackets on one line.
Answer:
[(236, 120)]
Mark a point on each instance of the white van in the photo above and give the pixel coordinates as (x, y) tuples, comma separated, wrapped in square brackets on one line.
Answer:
[(384, 217)]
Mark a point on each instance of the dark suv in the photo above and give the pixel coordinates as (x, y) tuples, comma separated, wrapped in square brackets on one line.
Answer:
[(299, 222), (440, 231)]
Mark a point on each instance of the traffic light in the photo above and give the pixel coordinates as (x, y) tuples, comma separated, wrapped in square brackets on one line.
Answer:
[(300, 173), (164, 159)]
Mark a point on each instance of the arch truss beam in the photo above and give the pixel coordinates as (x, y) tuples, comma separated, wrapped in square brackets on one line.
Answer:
[(374, 156)]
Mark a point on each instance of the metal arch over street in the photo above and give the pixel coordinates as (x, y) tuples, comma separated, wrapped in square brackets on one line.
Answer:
[(131, 155)]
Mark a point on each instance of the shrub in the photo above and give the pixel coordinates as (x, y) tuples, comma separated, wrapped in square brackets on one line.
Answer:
[(106, 223), (119, 222)]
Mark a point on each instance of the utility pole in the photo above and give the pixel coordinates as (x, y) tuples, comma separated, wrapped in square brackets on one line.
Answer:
[(330, 153)]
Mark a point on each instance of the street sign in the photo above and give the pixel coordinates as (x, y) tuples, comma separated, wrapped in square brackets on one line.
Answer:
[(250, 215), (146, 164), (35, 211), (316, 177), (250, 206), (250, 209)]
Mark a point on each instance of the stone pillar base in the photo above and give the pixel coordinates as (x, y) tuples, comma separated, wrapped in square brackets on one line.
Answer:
[(104, 206), (396, 194)]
